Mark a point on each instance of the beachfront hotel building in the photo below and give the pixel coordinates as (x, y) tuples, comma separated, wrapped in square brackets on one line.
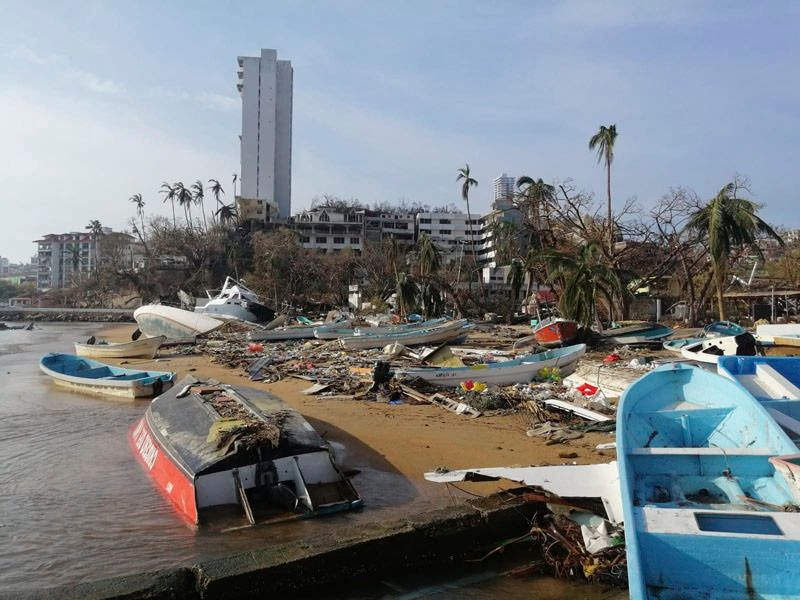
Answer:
[(265, 85)]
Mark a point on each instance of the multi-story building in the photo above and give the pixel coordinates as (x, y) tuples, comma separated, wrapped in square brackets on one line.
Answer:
[(4, 263), (63, 258), (397, 226), (503, 191), (265, 85), (330, 231)]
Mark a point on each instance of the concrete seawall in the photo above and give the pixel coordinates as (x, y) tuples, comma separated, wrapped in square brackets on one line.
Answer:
[(439, 537), (98, 315)]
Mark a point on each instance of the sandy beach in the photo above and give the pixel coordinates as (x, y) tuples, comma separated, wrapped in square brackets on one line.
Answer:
[(407, 439)]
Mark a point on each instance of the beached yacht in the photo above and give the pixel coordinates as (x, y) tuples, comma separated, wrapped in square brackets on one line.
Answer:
[(236, 301)]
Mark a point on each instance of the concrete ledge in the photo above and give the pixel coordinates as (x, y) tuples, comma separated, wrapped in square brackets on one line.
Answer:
[(437, 537)]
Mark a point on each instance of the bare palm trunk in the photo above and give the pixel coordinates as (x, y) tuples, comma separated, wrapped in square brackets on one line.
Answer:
[(719, 281), (610, 222), (474, 249), (174, 221), (203, 208), (141, 216)]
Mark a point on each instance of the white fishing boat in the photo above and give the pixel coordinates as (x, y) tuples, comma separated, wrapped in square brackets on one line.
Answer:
[(708, 351), (155, 320), (434, 335), (141, 348), (236, 301), (519, 370)]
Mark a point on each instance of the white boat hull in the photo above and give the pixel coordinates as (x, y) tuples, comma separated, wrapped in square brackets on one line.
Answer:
[(173, 323), (141, 348)]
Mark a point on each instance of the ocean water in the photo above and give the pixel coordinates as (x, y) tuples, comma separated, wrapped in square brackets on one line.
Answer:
[(75, 506)]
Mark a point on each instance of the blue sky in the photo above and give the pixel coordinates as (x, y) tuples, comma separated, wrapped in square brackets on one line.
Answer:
[(100, 100)]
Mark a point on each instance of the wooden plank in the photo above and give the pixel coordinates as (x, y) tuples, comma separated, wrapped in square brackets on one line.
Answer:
[(570, 407)]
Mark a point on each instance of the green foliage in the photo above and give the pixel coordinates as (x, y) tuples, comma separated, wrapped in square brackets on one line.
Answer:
[(584, 278), (408, 294), (728, 223)]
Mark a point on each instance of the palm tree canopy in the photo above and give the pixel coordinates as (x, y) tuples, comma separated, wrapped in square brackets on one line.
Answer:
[(585, 277), (216, 189), (168, 191), (603, 141), (199, 193), (729, 222), (429, 259), (468, 182), (137, 200), (95, 227), (226, 213)]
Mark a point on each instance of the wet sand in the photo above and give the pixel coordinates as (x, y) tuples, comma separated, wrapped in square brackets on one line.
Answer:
[(406, 439)]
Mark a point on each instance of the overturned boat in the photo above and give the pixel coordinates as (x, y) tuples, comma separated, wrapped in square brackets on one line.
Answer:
[(296, 332), (93, 377), (707, 514), (156, 320), (208, 445), (141, 348), (641, 333), (339, 330), (236, 301), (519, 370)]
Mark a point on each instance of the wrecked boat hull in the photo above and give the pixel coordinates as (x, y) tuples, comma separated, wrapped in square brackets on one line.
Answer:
[(449, 331), (144, 347), (173, 323), (703, 504), (209, 445)]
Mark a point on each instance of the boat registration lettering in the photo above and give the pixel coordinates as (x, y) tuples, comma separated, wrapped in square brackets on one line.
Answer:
[(144, 444)]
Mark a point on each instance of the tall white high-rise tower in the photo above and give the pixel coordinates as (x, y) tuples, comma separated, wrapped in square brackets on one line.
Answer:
[(265, 84)]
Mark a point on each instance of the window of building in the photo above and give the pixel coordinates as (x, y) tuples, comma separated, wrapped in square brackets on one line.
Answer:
[(355, 240), (304, 239), (324, 217), (338, 240), (444, 221), (322, 240), (445, 231), (425, 221)]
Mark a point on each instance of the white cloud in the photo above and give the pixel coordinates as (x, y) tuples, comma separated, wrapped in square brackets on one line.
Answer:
[(62, 67), (66, 162)]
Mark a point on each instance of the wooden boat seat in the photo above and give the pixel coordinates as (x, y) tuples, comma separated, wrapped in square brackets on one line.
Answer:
[(778, 384), (714, 451)]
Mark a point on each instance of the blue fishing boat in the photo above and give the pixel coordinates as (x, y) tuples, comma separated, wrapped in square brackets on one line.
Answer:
[(90, 376), (707, 515)]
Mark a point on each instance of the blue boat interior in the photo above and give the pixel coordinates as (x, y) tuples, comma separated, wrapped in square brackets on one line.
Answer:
[(707, 515), (724, 328), (75, 366)]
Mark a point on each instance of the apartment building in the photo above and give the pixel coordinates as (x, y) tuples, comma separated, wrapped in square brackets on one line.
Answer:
[(265, 85), (392, 226), (330, 231)]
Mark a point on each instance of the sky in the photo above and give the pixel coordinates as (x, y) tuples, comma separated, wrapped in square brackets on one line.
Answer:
[(101, 100)]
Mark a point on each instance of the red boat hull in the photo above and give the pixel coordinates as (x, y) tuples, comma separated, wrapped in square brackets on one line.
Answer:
[(170, 479), (560, 333)]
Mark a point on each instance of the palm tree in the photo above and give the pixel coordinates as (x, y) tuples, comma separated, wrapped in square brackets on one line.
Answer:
[(536, 196), (169, 196), (467, 182), (583, 278), (428, 258), (184, 198), (216, 190), (728, 222), (604, 141), (96, 229), (407, 294), (516, 276), (226, 213), (199, 197), (137, 200)]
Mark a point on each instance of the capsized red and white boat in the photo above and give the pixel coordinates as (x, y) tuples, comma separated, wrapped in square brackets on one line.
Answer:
[(208, 445), (555, 331)]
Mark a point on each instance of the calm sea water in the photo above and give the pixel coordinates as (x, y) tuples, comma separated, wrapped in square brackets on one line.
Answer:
[(75, 505)]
